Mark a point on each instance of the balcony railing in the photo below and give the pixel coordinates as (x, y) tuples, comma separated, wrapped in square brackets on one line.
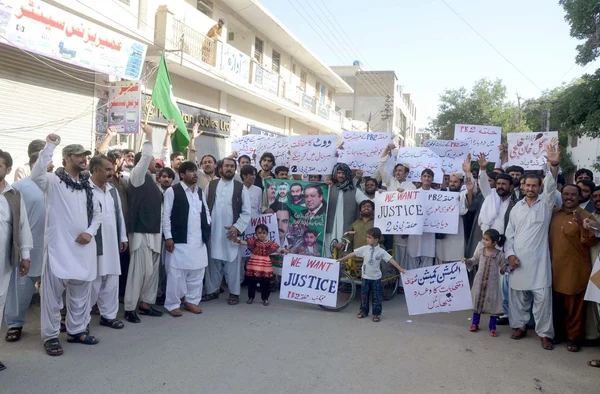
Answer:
[(193, 43)]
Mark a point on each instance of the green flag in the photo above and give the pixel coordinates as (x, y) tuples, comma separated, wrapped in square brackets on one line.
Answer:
[(163, 99)]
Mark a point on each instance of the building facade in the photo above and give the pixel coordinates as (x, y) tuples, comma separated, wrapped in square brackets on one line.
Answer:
[(379, 100), (585, 152)]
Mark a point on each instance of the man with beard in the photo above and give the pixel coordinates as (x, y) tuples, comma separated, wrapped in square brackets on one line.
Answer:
[(296, 198), (516, 172), (111, 239), (451, 247), (186, 226), (282, 197), (371, 185), (165, 179), (70, 252), (586, 187), (570, 247), (266, 162), (357, 234), (145, 204), (283, 225), (230, 210), (421, 248)]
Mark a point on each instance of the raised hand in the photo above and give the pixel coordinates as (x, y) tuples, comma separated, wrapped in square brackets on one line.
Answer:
[(171, 128), (469, 183), (482, 160), (111, 131), (147, 129), (553, 151), (53, 139), (466, 166), (196, 132)]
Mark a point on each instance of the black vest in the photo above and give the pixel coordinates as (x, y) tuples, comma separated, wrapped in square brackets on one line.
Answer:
[(99, 242), (144, 207), (179, 216)]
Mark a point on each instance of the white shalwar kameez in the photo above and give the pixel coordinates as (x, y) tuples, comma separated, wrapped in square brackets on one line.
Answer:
[(527, 239), (452, 247), (69, 266), (225, 259), (338, 230), (188, 262), (6, 244), (420, 250), (22, 288), (105, 288)]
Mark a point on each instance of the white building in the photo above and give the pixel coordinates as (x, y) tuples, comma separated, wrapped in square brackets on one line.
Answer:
[(584, 154), (378, 99), (255, 78)]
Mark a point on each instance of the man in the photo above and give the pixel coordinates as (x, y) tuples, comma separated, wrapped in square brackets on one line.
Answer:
[(111, 239), (315, 178), (283, 225), (583, 174), (145, 203), (592, 309), (208, 165), (165, 178), (21, 290), (529, 256), (216, 30), (15, 235), (357, 234), (282, 197), (266, 162), (72, 220), (248, 175), (516, 172), (128, 162), (570, 247), (209, 44), (186, 229), (281, 172), (313, 200), (34, 147), (371, 186), (309, 246), (396, 182), (451, 247), (421, 248), (585, 202), (296, 197), (230, 210)]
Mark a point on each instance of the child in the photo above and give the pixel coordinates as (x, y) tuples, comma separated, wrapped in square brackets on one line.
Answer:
[(486, 291), (372, 255), (260, 268)]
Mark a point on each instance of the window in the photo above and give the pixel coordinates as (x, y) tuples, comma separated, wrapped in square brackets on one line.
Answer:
[(205, 7), (303, 81), (317, 91), (349, 113), (258, 50), (330, 97), (322, 95), (276, 62), (230, 36)]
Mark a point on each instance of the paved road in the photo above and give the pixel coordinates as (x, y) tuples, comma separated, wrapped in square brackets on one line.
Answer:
[(295, 348)]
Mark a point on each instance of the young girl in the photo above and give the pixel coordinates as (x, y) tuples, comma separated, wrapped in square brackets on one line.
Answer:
[(486, 291), (372, 255), (260, 268)]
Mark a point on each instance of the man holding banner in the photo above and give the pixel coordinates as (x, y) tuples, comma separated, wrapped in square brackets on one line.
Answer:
[(451, 247), (421, 248)]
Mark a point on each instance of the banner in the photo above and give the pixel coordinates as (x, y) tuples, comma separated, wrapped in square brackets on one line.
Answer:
[(313, 280), (528, 150), (312, 154), (270, 220), (41, 28), (362, 151), (124, 106), (452, 152), (400, 213), (441, 288), (483, 139), (245, 145), (419, 159), (442, 212), (301, 211), (279, 147)]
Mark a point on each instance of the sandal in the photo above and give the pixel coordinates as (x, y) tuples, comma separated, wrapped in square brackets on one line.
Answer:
[(547, 343), (89, 339), (176, 312), (53, 347), (474, 328), (518, 333), (573, 347), (493, 333), (594, 363), (150, 312), (193, 308), (13, 334), (210, 297), (250, 301), (361, 315), (376, 319), (233, 300), (112, 323), (266, 302)]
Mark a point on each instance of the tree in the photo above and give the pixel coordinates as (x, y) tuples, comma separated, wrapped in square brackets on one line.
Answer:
[(485, 104), (584, 18)]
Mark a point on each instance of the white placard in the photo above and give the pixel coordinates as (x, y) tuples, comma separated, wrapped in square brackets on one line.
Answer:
[(483, 139), (419, 159), (313, 280), (452, 152), (350, 137), (362, 151), (270, 220), (528, 150), (441, 212), (245, 145), (400, 212), (312, 154), (441, 288), (279, 147)]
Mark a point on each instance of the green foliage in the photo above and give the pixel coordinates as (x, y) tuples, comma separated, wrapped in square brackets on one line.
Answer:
[(584, 18)]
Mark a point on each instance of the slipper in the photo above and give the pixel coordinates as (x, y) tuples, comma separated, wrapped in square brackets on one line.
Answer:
[(493, 333), (547, 343), (176, 312), (266, 302), (53, 347), (594, 363), (573, 347), (376, 319), (474, 328), (192, 308), (361, 315), (250, 301), (233, 300), (150, 312), (518, 333), (112, 323), (210, 297), (89, 339), (13, 334)]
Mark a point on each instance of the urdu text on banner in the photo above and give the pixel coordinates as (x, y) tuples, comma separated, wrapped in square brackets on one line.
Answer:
[(528, 150), (312, 154), (124, 106), (452, 152), (419, 159), (483, 139), (362, 151)]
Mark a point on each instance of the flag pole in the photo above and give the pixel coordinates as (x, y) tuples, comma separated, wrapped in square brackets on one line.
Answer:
[(145, 123)]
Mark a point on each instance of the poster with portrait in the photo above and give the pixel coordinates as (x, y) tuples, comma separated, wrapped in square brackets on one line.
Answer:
[(301, 211)]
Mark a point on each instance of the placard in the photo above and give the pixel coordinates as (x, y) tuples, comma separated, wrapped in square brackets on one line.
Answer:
[(313, 280), (279, 147), (124, 106), (400, 212), (441, 288), (362, 151), (419, 159), (312, 154), (442, 212), (270, 220), (528, 150), (483, 139), (452, 152), (245, 145)]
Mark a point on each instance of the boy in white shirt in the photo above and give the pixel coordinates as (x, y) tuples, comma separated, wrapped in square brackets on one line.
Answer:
[(372, 255)]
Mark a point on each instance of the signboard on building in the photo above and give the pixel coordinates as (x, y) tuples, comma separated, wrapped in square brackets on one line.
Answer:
[(324, 111), (41, 28), (124, 106), (265, 79), (210, 122), (235, 62), (308, 102), (259, 131)]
